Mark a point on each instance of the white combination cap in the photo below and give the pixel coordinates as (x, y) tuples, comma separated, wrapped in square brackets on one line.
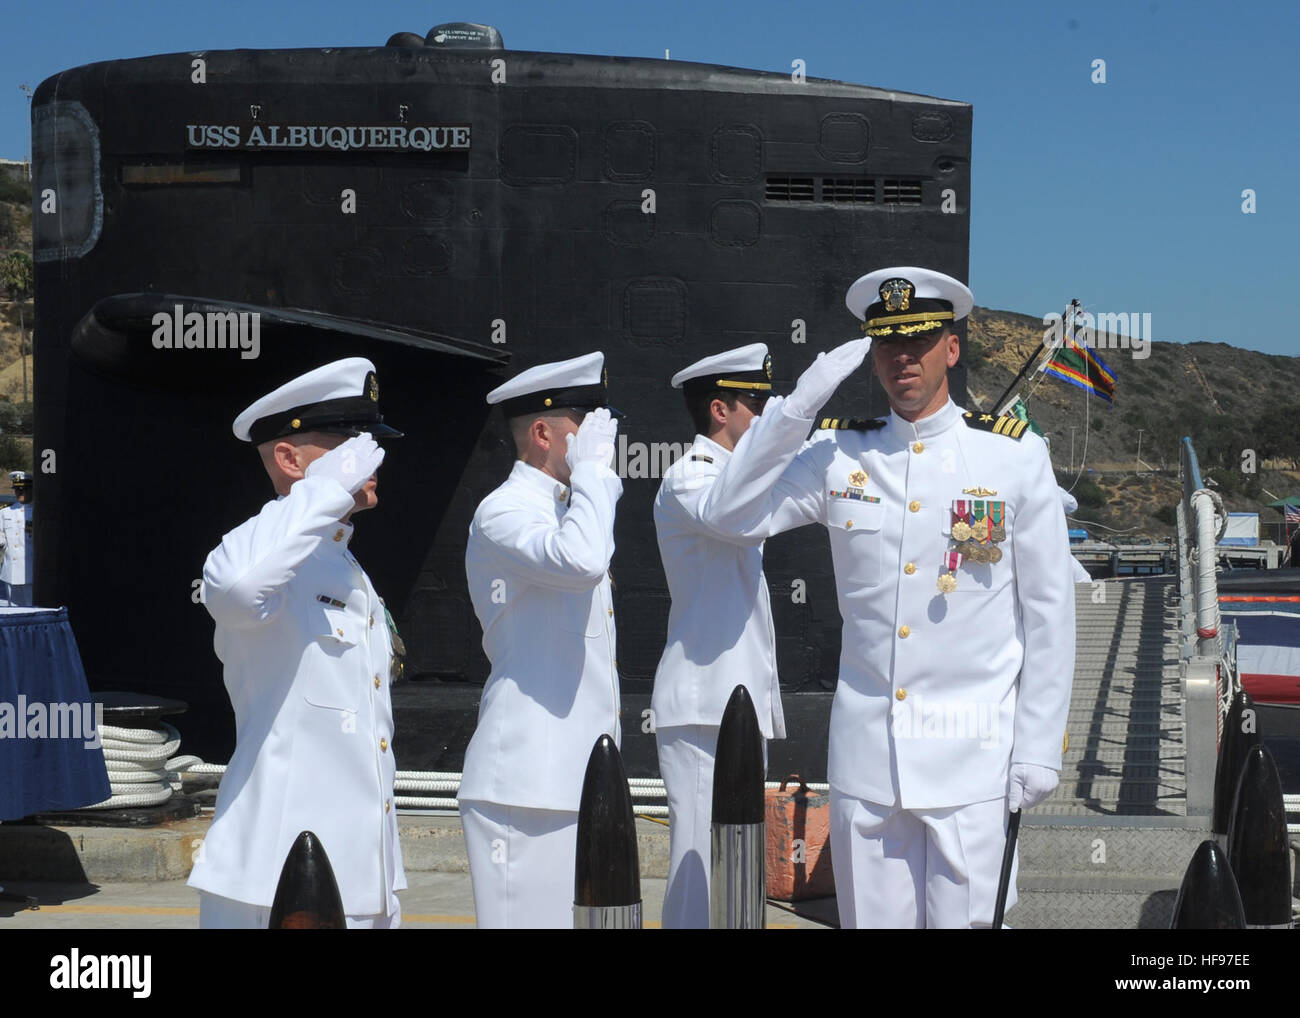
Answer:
[(341, 397), (907, 301), (744, 369), (579, 383)]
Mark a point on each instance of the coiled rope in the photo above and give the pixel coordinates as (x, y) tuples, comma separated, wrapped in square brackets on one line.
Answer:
[(141, 768)]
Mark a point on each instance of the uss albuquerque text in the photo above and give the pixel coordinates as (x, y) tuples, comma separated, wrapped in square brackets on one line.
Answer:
[(431, 138)]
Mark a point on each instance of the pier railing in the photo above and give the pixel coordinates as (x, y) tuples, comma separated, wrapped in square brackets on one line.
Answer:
[(1206, 653)]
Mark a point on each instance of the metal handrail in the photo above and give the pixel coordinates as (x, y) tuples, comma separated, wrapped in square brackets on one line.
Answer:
[(1207, 657)]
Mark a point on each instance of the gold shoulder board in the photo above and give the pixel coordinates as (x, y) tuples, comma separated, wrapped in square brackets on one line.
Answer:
[(1011, 427)]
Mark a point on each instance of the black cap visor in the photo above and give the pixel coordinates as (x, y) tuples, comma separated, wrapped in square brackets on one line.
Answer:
[(349, 415)]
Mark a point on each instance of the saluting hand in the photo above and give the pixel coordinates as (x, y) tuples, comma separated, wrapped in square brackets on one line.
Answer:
[(594, 442), (351, 464), (823, 377)]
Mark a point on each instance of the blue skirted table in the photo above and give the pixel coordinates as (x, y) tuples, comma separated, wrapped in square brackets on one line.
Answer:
[(50, 757)]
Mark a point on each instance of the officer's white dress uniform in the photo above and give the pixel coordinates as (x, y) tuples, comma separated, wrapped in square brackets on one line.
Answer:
[(720, 634), (537, 561), (938, 693), (16, 546), (306, 651)]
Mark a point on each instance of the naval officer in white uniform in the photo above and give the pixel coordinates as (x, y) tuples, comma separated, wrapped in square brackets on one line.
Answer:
[(954, 586), (537, 561), (301, 634), (16, 542), (720, 630)]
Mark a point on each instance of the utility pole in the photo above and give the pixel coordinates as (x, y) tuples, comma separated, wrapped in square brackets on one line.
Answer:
[(1072, 447), (1139, 459), (22, 329), (27, 91), (22, 346)]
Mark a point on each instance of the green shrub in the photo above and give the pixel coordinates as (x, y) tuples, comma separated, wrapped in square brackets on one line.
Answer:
[(1089, 493), (17, 191), (15, 454)]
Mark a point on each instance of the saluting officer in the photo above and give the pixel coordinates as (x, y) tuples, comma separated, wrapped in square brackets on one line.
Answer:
[(951, 566), (537, 561), (16, 541), (720, 625), (301, 634)]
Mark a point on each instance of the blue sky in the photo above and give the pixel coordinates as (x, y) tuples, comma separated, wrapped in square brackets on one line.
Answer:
[(1127, 194)]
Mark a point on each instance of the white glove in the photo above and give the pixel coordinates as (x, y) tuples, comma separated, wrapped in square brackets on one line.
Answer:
[(351, 464), (594, 442), (1030, 785), (823, 377)]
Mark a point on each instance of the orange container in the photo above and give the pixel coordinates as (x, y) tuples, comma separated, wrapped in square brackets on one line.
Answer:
[(798, 842)]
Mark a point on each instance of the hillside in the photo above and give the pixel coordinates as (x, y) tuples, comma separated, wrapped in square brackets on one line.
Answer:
[(1213, 392), (11, 387)]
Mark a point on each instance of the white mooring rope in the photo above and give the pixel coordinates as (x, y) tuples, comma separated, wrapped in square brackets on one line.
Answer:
[(141, 768)]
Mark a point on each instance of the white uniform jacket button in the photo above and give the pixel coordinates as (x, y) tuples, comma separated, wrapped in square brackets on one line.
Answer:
[(918, 447), (900, 694), (910, 568), (338, 534), (904, 631), (383, 745), (376, 680), (914, 505)]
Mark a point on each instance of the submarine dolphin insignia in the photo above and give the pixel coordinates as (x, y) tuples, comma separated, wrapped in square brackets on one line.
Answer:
[(454, 211)]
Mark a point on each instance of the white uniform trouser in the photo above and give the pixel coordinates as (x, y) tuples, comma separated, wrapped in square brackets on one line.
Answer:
[(521, 865), (686, 754), (218, 913), (897, 868)]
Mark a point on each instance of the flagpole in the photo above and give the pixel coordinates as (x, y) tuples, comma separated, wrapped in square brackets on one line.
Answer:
[(1032, 358)]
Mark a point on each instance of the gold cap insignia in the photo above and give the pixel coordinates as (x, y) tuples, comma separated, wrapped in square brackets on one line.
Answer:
[(767, 366), (897, 294), (295, 423), (372, 387)]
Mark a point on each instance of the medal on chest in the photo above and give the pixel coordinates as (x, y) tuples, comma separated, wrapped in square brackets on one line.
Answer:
[(854, 491), (978, 526)]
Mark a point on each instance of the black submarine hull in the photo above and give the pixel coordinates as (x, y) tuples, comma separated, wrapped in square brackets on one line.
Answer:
[(514, 225)]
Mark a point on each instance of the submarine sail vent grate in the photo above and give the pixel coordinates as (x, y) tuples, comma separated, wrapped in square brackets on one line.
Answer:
[(901, 192), (789, 189), (851, 190)]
